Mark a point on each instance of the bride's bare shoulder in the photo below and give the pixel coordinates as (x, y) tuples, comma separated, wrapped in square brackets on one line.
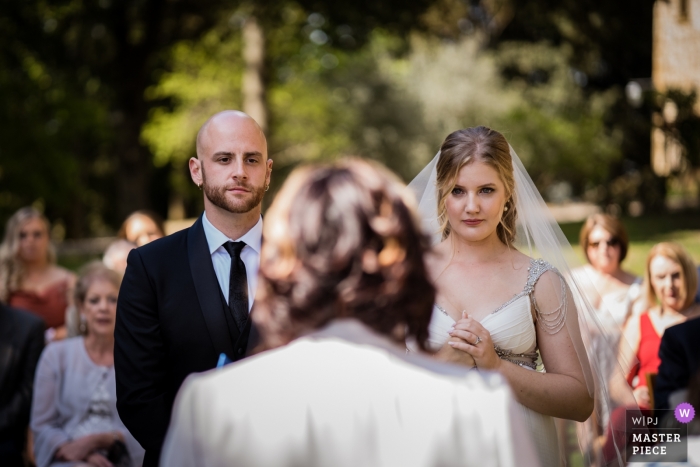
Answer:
[(437, 258), (519, 260)]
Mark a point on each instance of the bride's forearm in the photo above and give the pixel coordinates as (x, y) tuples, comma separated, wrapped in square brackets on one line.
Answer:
[(557, 395)]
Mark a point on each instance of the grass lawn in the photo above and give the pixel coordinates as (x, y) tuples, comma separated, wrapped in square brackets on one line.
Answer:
[(645, 232)]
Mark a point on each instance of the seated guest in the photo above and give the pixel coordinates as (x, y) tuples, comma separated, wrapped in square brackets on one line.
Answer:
[(680, 359), (612, 291), (142, 227), (21, 342), (669, 289), (669, 286), (342, 284), (605, 244), (74, 414), (29, 276), (115, 259)]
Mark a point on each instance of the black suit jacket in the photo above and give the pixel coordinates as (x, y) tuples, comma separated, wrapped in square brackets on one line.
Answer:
[(171, 322), (21, 343), (680, 359)]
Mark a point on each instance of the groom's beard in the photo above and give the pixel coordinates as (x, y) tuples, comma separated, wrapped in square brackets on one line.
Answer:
[(217, 196)]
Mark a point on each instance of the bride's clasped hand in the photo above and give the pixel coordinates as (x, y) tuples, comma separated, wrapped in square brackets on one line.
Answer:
[(475, 340)]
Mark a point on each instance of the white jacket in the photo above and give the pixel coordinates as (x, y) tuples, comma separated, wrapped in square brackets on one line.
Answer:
[(345, 396)]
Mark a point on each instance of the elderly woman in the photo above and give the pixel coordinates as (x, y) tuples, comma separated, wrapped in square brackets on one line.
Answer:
[(29, 276), (74, 416), (670, 280)]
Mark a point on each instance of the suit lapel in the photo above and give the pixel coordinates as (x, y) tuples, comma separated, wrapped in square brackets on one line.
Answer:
[(253, 336), (6, 348), (207, 287)]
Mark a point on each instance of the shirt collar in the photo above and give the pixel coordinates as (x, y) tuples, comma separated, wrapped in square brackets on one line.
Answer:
[(216, 238)]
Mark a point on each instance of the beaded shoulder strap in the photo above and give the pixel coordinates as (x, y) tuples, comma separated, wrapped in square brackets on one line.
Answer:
[(549, 321)]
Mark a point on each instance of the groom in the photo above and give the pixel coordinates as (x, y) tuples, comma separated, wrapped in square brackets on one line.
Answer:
[(185, 298)]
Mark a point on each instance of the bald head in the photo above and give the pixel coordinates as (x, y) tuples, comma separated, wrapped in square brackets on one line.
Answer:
[(229, 125)]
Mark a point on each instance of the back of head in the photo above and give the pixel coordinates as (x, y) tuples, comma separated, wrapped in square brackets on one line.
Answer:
[(148, 214), (116, 253), (11, 268), (343, 241), (469, 145)]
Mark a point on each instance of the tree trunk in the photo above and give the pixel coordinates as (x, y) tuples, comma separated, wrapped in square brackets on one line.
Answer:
[(253, 86)]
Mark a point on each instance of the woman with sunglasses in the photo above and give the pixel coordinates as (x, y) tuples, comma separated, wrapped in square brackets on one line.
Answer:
[(604, 242), (612, 292)]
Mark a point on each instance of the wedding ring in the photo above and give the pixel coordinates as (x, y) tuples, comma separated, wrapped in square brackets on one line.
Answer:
[(478, 339)]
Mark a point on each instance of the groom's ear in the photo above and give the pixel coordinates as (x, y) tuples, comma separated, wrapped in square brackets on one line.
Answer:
[(195, 165), (269, 169)]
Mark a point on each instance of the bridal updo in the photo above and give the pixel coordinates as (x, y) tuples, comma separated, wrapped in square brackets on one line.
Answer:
[(463, 147), (343, 241)]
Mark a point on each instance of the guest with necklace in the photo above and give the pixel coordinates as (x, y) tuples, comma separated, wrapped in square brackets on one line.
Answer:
[(74, 414)]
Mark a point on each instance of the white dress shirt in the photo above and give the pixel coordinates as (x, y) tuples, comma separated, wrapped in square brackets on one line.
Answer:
[(222, 260)]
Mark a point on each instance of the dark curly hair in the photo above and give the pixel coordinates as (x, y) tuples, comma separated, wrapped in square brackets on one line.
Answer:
[(343, 241)]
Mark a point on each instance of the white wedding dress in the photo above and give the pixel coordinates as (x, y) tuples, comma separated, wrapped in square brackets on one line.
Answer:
[(511, 325), (513, 333)]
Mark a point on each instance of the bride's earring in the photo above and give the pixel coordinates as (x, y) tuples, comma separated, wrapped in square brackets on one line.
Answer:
[(505, 208)]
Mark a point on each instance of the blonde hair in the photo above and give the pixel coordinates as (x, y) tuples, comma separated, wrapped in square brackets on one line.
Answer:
[(689, 275), (463, 147), (11, 267)]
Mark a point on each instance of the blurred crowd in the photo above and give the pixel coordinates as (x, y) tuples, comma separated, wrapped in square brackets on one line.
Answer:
[(57, 347), (57, 382)]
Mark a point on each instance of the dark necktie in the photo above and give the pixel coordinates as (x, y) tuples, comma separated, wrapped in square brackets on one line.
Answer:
[(237, 285)]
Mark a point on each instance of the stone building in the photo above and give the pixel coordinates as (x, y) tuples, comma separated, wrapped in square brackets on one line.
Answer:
[(675, 65)]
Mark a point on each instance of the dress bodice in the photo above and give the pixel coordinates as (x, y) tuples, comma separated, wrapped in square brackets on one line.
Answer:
[(49, 304), (511, 325)]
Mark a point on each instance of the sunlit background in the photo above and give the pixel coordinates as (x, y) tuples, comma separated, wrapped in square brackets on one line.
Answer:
[(101, 100)]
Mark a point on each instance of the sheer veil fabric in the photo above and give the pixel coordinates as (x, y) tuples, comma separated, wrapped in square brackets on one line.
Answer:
[(539, 236)]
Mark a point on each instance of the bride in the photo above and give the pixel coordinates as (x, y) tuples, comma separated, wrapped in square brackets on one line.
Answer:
[(497, 308)]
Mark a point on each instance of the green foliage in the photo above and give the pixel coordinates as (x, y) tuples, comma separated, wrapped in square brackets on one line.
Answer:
[(52, 141), (560, 128), (102, 100), (395, 107), (686, 124), (205, 77), (555, 127)]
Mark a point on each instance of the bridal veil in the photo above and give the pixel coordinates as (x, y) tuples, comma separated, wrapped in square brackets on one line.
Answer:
[(539, 236)]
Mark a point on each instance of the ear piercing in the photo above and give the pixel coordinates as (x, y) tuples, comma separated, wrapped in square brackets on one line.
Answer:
[(267, 187)]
